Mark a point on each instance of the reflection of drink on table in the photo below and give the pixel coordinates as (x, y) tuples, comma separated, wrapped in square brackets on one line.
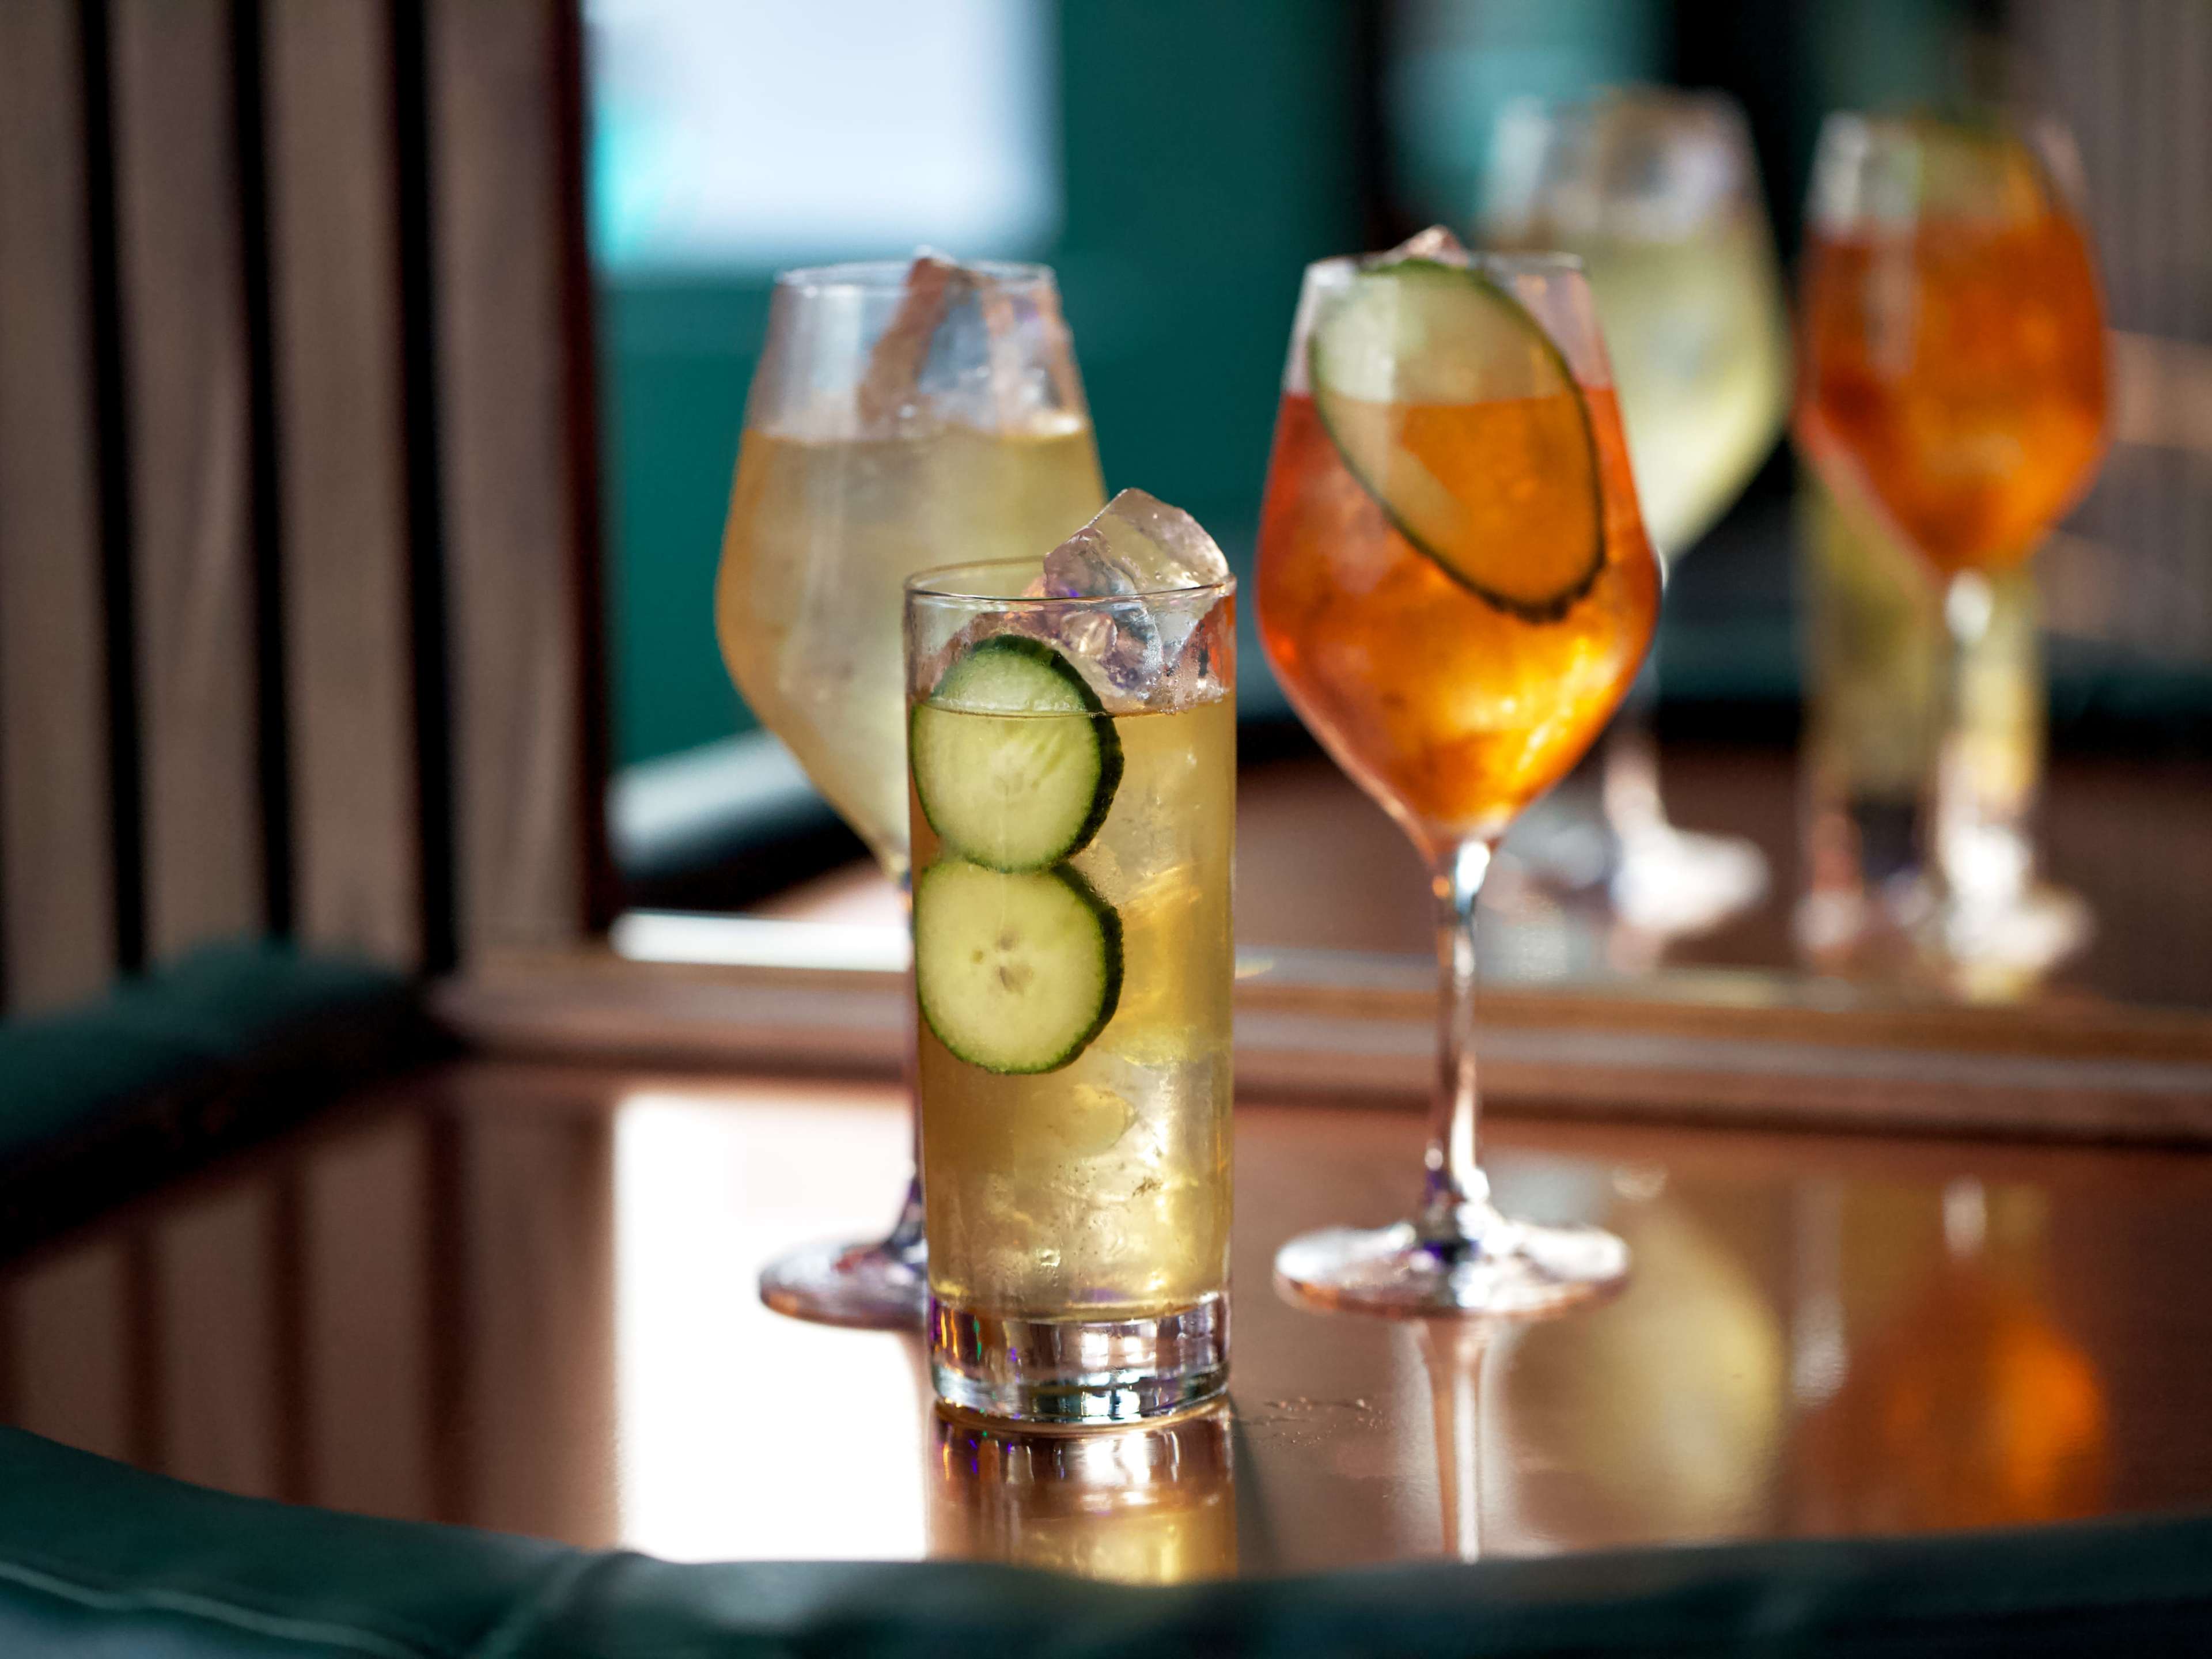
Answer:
[(1136, 1506)]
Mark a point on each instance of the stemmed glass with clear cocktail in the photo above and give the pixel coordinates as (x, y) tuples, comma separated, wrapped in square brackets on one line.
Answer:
[(902, 416), (1455, 590), (1953, 384), (1657, 192)]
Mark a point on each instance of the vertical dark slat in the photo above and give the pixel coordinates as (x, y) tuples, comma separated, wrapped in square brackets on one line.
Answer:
[(580, 416), (430, 667), (250, 152), (189, 388), (336, 274), (58, 925), (520, 759), (118, 525)]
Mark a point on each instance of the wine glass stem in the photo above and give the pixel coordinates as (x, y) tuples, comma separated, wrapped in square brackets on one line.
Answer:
[(906, 1232), (1959, 854), (1455, 1179)]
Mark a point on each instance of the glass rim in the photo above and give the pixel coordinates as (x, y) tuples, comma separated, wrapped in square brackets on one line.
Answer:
[(939, 582), (1538, 262), (890, 275)]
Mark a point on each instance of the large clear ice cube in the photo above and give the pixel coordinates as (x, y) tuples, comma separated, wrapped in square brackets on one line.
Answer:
[(1137, 546)]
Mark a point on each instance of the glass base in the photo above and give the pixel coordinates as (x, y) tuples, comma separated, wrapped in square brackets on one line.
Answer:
[(1077, 1372), (1678, 882), (1478, 1263), (884, 1286), (2025, 932)]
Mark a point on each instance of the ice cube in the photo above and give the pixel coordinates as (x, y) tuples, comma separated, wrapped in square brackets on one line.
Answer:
[(1435, 244), (891, 391), (1137, 546), (953, 350)]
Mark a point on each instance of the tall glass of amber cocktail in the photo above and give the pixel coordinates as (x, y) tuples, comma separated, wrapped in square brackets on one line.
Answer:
[(1073, 765), (1455, 591)]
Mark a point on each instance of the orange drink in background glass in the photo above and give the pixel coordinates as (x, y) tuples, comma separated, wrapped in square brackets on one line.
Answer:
[(1455, 591), (1953, 389)]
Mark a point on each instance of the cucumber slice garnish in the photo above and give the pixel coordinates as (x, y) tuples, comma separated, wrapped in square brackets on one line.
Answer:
[(1410, 370), (1016, 971), (1015, 760)]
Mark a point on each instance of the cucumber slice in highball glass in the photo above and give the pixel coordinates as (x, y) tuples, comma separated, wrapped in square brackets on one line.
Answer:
[(1015, 760), (1015, 971)]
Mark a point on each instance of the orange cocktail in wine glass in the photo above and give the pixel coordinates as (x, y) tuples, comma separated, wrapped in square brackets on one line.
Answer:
[(1955, 385), (1455, 590)]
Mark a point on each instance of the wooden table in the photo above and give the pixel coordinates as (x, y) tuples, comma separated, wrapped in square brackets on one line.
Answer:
[(521, 1296)]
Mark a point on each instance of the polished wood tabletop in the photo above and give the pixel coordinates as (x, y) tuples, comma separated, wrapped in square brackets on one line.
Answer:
[(521, 1296)]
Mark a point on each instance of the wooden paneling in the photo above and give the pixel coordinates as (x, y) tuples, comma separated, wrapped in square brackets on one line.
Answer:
[(186, 355), (73, 1348), (537, 1186), (56, 886), (367, 1270), (219, 1388), (518, 585), (347, 659)]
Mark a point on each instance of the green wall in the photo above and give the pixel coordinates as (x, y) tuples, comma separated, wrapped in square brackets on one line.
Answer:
[(1209, 152)]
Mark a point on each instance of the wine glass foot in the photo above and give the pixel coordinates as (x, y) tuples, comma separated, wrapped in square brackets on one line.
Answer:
[(884, 1286), (1679, 883), (1482, 1265), (2022, 934)]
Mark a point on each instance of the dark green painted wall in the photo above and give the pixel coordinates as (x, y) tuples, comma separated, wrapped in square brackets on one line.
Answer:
[(1209, 152)]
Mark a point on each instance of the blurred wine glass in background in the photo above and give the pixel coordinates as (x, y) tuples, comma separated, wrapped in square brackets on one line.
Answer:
[(1658, 192)]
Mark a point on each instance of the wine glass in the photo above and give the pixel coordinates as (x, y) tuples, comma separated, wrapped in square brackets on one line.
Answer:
[(903, 415), (1455, 591), (1954, 389), (1656, 192)]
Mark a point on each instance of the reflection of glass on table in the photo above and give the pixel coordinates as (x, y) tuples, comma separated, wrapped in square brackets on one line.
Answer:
[(1153, 1506)]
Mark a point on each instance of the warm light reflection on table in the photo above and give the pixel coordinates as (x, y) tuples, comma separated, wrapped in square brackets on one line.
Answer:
[(522, 1296)]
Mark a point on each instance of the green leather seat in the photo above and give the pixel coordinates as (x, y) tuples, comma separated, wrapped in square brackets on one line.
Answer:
[(98, 1559)]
